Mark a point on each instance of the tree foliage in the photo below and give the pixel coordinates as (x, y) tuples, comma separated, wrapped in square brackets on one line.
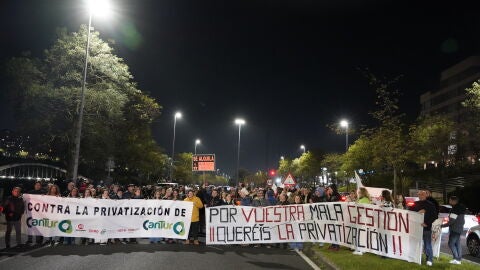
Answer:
[(430, 138), (117, 115)]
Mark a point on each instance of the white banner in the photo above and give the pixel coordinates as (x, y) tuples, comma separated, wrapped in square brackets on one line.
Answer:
[(437, 236), (101, 219), (388, 232)]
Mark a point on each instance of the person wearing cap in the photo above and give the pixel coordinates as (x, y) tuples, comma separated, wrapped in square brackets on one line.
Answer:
[(456, 220), (13, 209)]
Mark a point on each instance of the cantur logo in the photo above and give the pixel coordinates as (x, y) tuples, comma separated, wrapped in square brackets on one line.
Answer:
[(178, 228), (44, 222), (64, 225)]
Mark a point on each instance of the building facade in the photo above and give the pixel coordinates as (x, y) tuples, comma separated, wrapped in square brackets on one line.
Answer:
[(448, 98)]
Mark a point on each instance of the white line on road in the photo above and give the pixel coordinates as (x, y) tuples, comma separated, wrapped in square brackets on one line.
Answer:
[(305, 258)]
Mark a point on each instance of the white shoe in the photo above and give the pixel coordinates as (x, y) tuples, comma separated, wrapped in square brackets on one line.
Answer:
[(356, 252), (457, 262), (452, 261), (429, 263)]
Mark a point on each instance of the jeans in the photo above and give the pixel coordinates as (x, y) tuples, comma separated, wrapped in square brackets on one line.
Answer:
[(455, 246), (18, 230), (427, 245)]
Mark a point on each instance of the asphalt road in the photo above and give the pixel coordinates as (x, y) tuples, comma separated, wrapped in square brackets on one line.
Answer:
[(445, 249), (150, 256)]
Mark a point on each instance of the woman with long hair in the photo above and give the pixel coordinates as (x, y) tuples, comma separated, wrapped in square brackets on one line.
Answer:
[(53, 190), (387, 200)]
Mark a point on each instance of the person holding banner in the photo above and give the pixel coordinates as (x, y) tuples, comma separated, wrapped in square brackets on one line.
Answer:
[(229, 200), (37, 189), (333, 196), (363, 197), (54, 190), (13, 209), (456, 220), (430, 214), (297, 246), (195, 221)]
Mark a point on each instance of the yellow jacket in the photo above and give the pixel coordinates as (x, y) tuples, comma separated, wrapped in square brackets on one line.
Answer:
[(197, 204)]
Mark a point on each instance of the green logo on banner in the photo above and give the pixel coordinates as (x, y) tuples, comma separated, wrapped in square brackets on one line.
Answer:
[(65, 226), (179, 228)]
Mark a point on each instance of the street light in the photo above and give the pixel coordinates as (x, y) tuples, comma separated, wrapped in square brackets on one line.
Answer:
[(197, 142), (282, 157), (238, 122), (177, 115), (97, 7), (303, 148), (344, 123)]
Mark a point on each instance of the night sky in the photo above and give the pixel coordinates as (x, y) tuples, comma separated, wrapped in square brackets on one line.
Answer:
[(288, 68)]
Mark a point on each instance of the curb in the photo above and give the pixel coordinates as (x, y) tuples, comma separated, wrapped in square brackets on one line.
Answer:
[(318, 256), (463, 259)]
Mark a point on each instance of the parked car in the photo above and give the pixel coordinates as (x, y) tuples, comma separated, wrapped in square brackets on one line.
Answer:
[(473, 241), (410, 201), (470, 220)]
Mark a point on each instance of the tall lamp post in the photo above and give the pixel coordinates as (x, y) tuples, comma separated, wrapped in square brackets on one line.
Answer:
[(238, 122), (197, 142), (177, 115), (344, 123), (303, 148), (97, 7)]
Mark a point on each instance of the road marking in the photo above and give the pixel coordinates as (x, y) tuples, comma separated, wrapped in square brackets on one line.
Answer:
[(306, 259)]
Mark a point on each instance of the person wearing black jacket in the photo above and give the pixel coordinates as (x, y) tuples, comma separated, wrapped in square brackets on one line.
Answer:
[(214, 199), (456, 220), (429, 216), (13, 209), (333, 196), (37, 190), (433, 201)]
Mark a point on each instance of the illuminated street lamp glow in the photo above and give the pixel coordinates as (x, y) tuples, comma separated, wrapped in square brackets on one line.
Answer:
[(238, 122), (100, 8), (303, 148), (95, 7), (197, 142), (177, 115), (344, 123)]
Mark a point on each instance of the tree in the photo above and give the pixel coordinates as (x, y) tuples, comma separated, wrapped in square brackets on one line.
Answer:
[(469, 129), (359, 156), (430, 138), (388, 139), (46, 93)]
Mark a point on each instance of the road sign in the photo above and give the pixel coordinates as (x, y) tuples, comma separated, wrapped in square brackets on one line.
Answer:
[(203, 163), (289, 181)]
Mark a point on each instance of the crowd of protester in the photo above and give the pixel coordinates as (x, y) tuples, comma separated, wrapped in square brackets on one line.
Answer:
[(211, 196)]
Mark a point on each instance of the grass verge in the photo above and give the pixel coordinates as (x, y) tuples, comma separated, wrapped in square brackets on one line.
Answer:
[(345, 260)]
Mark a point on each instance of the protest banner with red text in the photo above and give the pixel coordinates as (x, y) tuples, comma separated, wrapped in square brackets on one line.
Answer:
[(388, 232)]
